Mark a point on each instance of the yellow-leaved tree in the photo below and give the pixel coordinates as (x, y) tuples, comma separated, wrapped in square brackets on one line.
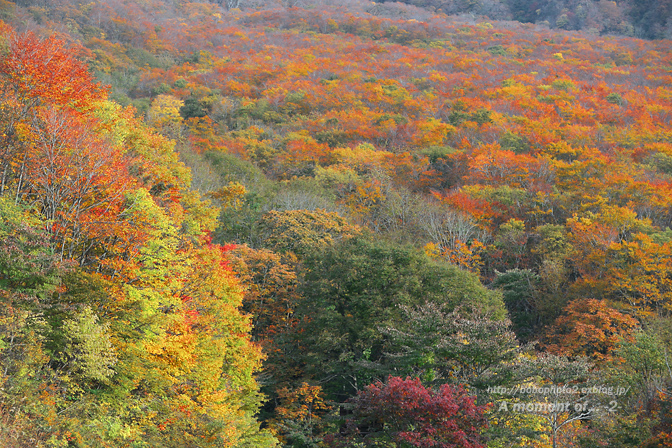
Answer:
[(121, 322)]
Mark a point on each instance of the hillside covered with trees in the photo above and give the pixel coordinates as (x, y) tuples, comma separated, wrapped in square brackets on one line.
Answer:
[(320, 224), (649, 19)]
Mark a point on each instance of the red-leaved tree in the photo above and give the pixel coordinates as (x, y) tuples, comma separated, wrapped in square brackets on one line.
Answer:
[(406, 413)]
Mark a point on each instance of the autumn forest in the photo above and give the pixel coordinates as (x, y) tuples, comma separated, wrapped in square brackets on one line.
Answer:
[(335, 224)]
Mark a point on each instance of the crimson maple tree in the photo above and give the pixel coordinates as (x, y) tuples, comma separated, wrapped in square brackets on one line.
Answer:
[(404, 412)]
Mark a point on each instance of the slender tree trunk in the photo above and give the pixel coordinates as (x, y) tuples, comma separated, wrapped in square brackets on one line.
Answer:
[(19, 185), (4, 179)]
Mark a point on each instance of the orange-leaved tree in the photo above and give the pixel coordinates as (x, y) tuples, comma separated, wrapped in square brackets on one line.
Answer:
[(142, 341)]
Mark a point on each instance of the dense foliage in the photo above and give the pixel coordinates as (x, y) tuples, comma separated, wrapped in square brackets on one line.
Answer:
[(121, 322), (237, 223), (649, 19)]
